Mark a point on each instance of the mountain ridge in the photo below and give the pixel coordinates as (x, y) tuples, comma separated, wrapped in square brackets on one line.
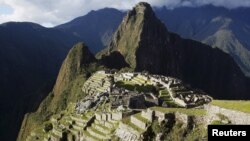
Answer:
[(101, 25), (196, 23)]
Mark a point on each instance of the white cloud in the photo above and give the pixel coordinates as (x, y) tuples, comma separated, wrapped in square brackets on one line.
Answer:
[(54, 12)]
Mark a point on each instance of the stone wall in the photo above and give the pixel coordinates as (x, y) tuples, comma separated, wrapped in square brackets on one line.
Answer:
[(147, 115), (138, 123), (117, 116), (104, 117), (182, 118), (236, 117), (198, 120), (126, 128), (109, 115), (52, 138), (98, 116), (160, 114), (179, 101), (126, 135)]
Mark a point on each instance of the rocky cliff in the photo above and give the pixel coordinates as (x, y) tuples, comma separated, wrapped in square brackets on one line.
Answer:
[(146, 44)]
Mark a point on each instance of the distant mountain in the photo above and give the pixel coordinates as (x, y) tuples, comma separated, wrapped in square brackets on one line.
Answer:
[(30, 57), (229, 30), (95, 28), (146, 44), (217, 26)]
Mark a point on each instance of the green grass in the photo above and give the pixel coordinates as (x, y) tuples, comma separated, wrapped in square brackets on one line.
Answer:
[(198, 133), (131, 86), (102, 126), (238, 105), (97, 131), (222, 117), (163, 93), (166, 98), (217, 122), (89, 135), (195, 112), (128, 122), (139, 117)]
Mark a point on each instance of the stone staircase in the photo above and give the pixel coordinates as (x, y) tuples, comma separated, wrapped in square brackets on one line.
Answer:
[(74, 124), (100, 130), (132, 127), (97, 83)]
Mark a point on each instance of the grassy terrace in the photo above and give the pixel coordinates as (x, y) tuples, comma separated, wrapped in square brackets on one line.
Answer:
[(163, 93), (195, 112), (239, 105), (139, 117), (102, 126), (132, 86), (89, 135), (97, 131), (128, 122)]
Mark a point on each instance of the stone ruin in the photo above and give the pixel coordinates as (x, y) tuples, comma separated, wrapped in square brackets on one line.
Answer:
[(121, 104), (105, 83)]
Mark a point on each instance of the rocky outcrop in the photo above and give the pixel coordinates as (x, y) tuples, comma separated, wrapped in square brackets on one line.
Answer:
[(146, 44)]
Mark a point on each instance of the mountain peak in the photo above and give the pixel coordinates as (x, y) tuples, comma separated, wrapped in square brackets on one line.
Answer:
[(77, 58), (143, 7), (143, 10), (140, 28)]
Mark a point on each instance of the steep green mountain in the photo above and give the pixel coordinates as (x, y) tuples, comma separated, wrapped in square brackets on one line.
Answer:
[(30, 56), (79, 64), (147, 45)]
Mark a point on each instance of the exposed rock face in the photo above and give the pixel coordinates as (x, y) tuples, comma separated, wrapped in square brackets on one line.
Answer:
[(72, 66), (138, 28), (146, 44)]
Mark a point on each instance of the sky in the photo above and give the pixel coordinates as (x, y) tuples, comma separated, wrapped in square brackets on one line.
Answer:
[(50, 13)]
